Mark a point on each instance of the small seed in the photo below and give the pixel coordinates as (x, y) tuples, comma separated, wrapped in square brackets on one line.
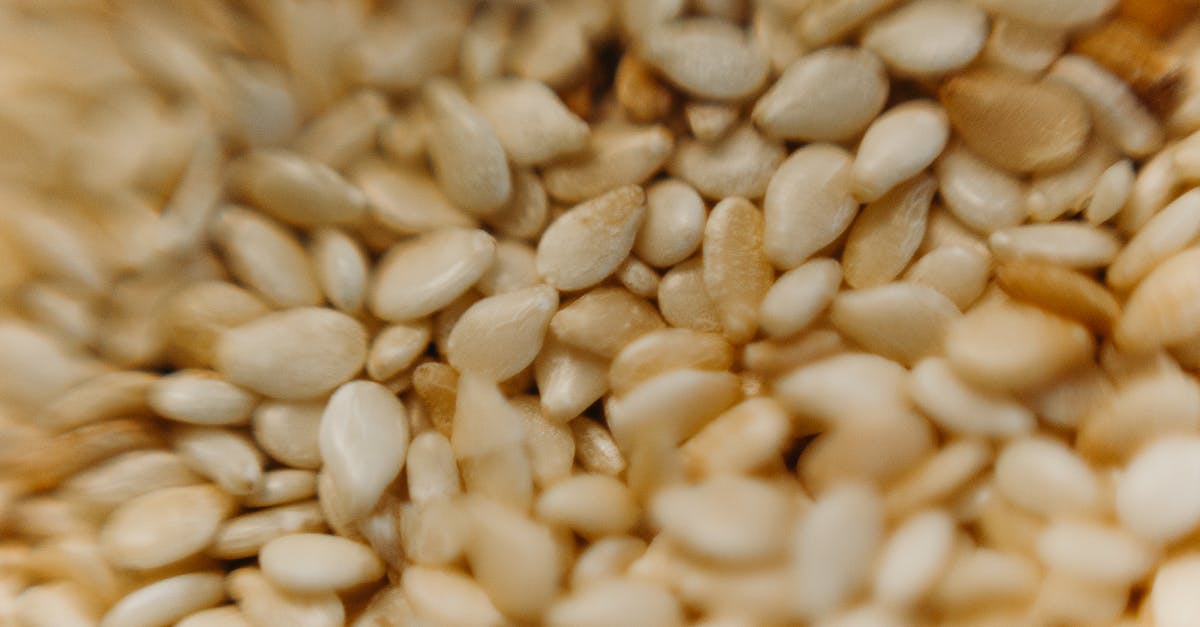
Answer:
[(1167, 233), (727, 519), (201, 397), (467, 156), (901, 38), (1070, 244), (406, 201), (618, 156), (314, 562), (297, 191), (808, 204), (737, 273), (1023, 46), (588, 242), (683, 299), (957, 407), (640, 93), (675, 404), (674, 224), (422, 275), (500, 335), (901, 321), (267, 257), (288, 432), (739, 164), (887, 234), (243, 536), (1160, 309), (396, 347), (1066, 13), (263, 603), (227, 457), (1046, 477), (958, 273), (166, 601), (592, 505), (531, 122), (604, 320), (666, 350), (164, 526), (1060, 291), (706, 57), (828, 95), (798, 296), (1115, 108), (341, 267), (984, 197), (569, 379), (363, 440)]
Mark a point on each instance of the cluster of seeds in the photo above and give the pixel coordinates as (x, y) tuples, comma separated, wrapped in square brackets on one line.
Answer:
[(586, 313)]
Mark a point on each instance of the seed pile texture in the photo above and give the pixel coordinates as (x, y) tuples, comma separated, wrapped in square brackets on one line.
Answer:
[(596, 313)]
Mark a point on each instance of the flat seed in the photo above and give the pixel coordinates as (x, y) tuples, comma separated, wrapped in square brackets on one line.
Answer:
[(449, 598), (1154, 186), (549, 443), (901, 321), (125, 477), (110, 395), (432, 473), (595, 448), (901, 38), (406, 201), (706, 57), (166, 601), (1141, 410), (618, 155), (1056, 13), (984, 197), (674, 224), (293, 355), (743, 439), (798, 296), (727, 519), (1148, 499), (1015, 123), (843, 388), (958, 273), (1061, 291), (1065, 191), (527, 210), (986, 575), (422, 275), (197, 314), (201, 397), (957, 407), (164, 526), (244, 535), (314, 562), (467, 156), (739, 164), (616, 601), (881, 164), (835, 546), (637, 277), (297, 191), (363, 440), (1070, 244), (640, 93), (1160, 309), (226, 456), (1115, 109), (1046, 477), (1167, 233), (224, 616), (396, 347), (549, 49), (263, 603), (709, 121), (683, 299), (1023, 46), (913, 557), (676, 403), (569, 379), (939, 476), (604, 320), (737, 273), (514, 558), (887, 233), (267, 257), (341, 266), (530, 121), (514, 268), (1095, 552), (592, 505), (288, 432), (830, 94), (1172, 603), (665, 350), (808, 204), (59, 604), (588, 242), (500, 335), (346, 131), (981, 348), (604, 559)]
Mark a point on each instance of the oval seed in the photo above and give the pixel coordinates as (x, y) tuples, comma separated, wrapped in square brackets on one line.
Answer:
[(798, 296), (467, 156), (244, 535), (267, 257), (827, 95), (592, 505), (618, 156), (531, 122), (902, 38), (297, 191), (1149, 500), (957, 407), (674, 224), (499, 336), (739, 164), (164, 526), (898, 145), (264, 603), (1161, 310), (808, 204), (683, 299), (288, 432), (1070, 244), (913, 557), (166, 601), (665, 350), (293, 355), (588, 242), (406, 201), (341, 267), (1111, 193), (363, 440), (1054, 13), (984, 197), (604, 320), (1046, 477), (317, 562), (422, 275), (737, 273), (727, 519), (1167, 233), (901, 321), (569, 379), (1117, 112), (396, 347), (226, 456), (706, 57), (201, 397), (1061, 291), (887, 233)]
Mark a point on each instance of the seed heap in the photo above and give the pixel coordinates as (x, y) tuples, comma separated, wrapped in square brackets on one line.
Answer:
[(599, 312)]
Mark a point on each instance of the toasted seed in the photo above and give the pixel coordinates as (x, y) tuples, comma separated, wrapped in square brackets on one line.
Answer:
[(396, 347), (1046, 477), (639, 92), (705, 57), (296, 354), (432, 473), (467, 155), (436, 384), (1061, 291), (830, 94), (288, 432), (676, 403), (223, 616), (419, 276), (898, 145), (500, 335), (527, 210), (980, 346), (1070, 244), (738, 164), (618, 156), (1056, 193), (683, 299), (604, 320), (549, 443), (1159, 311), (449, 598), (957, 272), (808, 204), (901, 321), (592, 505), (1115, 108), (836, 543), (314, 562), (799, 296), (227, 457), (1056, 13), (195, 316), (550, 48), (835, 389), (887, 233), (768, 359), (709, 121), (569, 379), (666, 350), (744, 438), (484, 421), (1153, 187), (913, 557), (242, 536), (957, 407), (587, 243), (1017, 124), (939, 476), (902, 38), (985, 198), (674, 224), (513, 557), (166, 601), (1167, 233), (1092, 551), (595, 448), (1148, 499), (736, 271), (616, 601), (341, 267), (266, 257), (297, 191), (282, 486), (164, 526), (201, 397), (727, 519), (127, 476), (363, 440), (107, 396), (530, 121), (265, 604)]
